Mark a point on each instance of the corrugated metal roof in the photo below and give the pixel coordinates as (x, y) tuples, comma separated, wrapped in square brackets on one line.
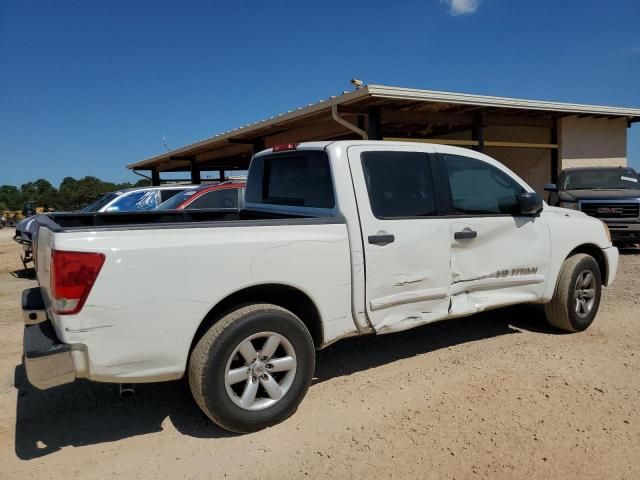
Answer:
[(299, 112), (395, 93), (400, 93)]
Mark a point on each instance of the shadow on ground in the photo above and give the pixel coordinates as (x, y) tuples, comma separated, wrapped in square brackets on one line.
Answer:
[(86, 413), (25, 273)]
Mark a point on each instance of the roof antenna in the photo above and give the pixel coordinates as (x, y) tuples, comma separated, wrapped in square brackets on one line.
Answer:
[(357, 83), (164, 142)]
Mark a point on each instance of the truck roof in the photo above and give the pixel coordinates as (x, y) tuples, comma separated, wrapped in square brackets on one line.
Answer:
[(157, 187), (452, 150)]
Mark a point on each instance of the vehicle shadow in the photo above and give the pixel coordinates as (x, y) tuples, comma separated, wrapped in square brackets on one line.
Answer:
[(362, 353), (25, 273), (87, 413)]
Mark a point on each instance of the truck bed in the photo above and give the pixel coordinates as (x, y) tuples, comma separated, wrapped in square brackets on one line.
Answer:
[(58, 222), (164, 272)]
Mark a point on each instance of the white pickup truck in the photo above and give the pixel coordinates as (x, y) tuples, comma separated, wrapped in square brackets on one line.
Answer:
[(336, 239)]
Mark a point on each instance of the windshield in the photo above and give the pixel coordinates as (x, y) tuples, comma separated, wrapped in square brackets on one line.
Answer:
[(600, 179), (99, 203), (176, 200), (135, 202)]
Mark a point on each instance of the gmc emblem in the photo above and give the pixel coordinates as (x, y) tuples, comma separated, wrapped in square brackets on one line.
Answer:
[(610, 210)]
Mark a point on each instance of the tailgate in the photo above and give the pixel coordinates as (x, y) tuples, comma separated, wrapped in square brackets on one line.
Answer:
[(43, 243)]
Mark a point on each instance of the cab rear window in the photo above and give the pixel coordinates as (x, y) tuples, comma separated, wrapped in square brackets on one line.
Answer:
[(300, 179)]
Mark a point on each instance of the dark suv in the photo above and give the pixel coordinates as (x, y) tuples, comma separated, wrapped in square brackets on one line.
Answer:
[(610, 194)]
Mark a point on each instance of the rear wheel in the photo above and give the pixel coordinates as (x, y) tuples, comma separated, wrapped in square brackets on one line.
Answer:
[(252, 369), (576, 299)]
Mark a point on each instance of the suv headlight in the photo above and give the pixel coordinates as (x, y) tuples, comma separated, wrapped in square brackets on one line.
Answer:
[(571, 205)]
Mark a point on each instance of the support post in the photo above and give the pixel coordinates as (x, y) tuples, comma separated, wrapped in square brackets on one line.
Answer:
[(555, 152), (477, 133), (221, 175), (155, 177), (258, 145), (195, 172), (373, 128)]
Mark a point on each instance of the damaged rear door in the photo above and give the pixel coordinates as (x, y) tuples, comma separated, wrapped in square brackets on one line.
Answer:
[(498, 256), (406, 242)]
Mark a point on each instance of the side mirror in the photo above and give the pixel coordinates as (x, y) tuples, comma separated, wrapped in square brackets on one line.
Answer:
[(530, 203), (550, 187), (112, 209)]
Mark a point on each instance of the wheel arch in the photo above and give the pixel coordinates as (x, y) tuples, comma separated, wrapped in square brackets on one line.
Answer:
[(595, 252), (285, 296)]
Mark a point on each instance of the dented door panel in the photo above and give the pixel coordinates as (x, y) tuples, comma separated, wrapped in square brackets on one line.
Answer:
[(407, 259), (510, 256), (407, 281)]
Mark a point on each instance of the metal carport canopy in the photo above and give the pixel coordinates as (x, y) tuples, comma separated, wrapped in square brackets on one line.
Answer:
[(373, 111)]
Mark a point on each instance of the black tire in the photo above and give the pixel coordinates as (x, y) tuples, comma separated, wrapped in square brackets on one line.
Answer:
[(561, 311), (208, 364)]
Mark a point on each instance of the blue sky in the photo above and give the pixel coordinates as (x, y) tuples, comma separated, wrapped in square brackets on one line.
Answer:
[(89, 86)]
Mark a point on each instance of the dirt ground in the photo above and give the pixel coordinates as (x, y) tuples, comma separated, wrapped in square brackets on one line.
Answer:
[(497, 395)]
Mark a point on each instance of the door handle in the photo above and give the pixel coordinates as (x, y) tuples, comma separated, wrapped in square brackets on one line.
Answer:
[(385, 239), (467, 233)]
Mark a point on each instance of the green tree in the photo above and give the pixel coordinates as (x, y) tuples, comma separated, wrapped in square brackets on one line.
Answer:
[(28, 192), (143, 182), (73, 194), (67, 194), (11, 197), (89, 189), (46, 194)]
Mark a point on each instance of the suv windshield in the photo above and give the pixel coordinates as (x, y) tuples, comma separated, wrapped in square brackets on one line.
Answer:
[(135, 202), (600, 179)]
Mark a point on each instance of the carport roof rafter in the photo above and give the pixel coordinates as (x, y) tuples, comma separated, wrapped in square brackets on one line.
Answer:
[(239, 143)]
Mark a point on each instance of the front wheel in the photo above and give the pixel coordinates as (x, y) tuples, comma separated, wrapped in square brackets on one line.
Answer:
[(252, 368), (576, 299)]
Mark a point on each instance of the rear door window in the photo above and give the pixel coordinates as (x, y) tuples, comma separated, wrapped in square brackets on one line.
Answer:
[(399, 184), (301, 179)]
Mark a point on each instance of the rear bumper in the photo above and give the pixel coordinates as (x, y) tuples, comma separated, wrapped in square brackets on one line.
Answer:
[(48, 361), (33, 307)]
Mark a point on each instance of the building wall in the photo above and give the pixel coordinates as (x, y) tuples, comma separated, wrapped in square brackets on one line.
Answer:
[(592, 142), (533, 165), (582, 142)]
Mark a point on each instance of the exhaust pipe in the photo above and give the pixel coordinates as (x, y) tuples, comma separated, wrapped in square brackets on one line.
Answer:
[(127, 390)]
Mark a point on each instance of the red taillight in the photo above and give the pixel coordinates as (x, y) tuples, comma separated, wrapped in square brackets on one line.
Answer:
[(284, 147), (72, 276)]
